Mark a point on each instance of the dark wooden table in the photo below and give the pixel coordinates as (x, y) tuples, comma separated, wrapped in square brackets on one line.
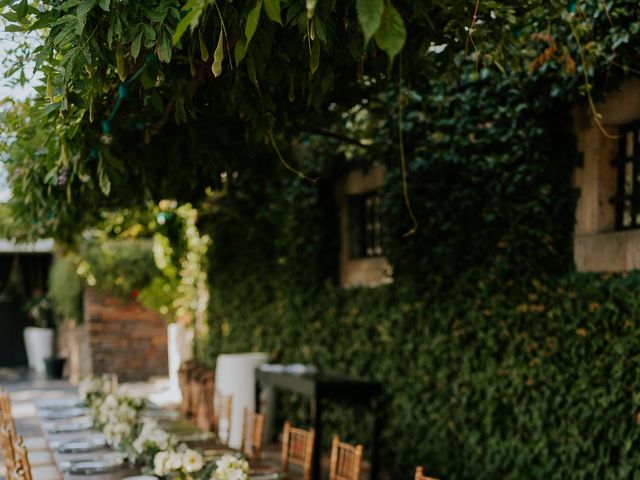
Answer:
[(319, 387)]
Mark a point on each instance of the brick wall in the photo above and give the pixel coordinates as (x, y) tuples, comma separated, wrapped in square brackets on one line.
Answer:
[(124, 338)]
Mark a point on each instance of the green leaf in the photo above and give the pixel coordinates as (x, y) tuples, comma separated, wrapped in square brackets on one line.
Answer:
[(135, 45), (272, 7), (21, 9), (314, 61), (14, 28), (204, 51), (240, 51), (103, 179), (85, 7), (252, 21), (311, 8), (104, 5), (392, 34), (164, 48), (189, 20), (369, 16)]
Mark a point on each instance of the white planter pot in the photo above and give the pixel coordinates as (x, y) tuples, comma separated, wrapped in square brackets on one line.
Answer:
[(179, 341), (39, 345)]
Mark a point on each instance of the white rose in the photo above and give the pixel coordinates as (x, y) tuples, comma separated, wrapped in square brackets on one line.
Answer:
[(192, 461), (174, 462), (160, 463)]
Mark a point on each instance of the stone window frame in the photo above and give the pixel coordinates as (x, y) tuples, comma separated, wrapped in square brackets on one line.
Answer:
[(597, 245), (372, 271)]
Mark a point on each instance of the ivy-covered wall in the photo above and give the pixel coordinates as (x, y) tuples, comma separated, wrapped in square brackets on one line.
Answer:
[(498, 360)]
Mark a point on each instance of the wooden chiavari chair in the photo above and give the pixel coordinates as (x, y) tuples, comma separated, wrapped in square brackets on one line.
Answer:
[(421, 476), (6, 448), (33, 443), (346, 461), (297, 449), (252, 434), (204, 410), (221, 421), (23, 470)]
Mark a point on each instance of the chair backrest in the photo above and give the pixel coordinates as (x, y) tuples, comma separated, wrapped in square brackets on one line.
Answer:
[(204, 409), (421, 476), (222, 408), (252, 434), (22, 469), (6, 447), (5, 413), (5, 403), (346, 461), (297, 449)]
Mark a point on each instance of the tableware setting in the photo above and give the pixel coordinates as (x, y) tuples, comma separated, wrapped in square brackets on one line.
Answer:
[(107, 463), (62, 413), (77, 425), (81, 446)]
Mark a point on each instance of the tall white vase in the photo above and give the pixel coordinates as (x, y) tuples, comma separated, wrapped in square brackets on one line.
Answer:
[(235, 375), (39, 345), (179, 343)]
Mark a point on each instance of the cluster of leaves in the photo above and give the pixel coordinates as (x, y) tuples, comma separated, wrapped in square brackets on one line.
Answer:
[(65, 289), (128, 87)]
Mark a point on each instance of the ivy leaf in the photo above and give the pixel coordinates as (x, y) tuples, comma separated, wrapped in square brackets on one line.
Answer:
[(392, 34), (272, 7), (85, 7), (369, 16), (135, 45), (252, 21)]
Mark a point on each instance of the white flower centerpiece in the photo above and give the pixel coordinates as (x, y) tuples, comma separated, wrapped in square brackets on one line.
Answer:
[(230, 467), (181, 463)]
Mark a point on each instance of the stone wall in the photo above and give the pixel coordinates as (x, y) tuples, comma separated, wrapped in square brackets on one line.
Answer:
[(123, 337)]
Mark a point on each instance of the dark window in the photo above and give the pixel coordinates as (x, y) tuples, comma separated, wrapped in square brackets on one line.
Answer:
[(627, 199), (364, 225)]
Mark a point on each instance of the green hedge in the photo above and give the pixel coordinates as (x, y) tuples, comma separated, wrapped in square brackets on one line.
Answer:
[(531, 381)]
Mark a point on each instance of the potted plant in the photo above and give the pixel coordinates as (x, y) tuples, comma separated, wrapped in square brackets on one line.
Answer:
[(40, 338)]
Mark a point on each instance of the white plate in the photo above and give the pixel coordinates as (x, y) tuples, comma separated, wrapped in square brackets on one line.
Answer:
[(57, 403), (78, 425), (62, 413), (141, 477), (108, 463), (80, 446)]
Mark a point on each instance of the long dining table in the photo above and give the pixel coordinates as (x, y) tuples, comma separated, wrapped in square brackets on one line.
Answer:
[(53, 430)]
